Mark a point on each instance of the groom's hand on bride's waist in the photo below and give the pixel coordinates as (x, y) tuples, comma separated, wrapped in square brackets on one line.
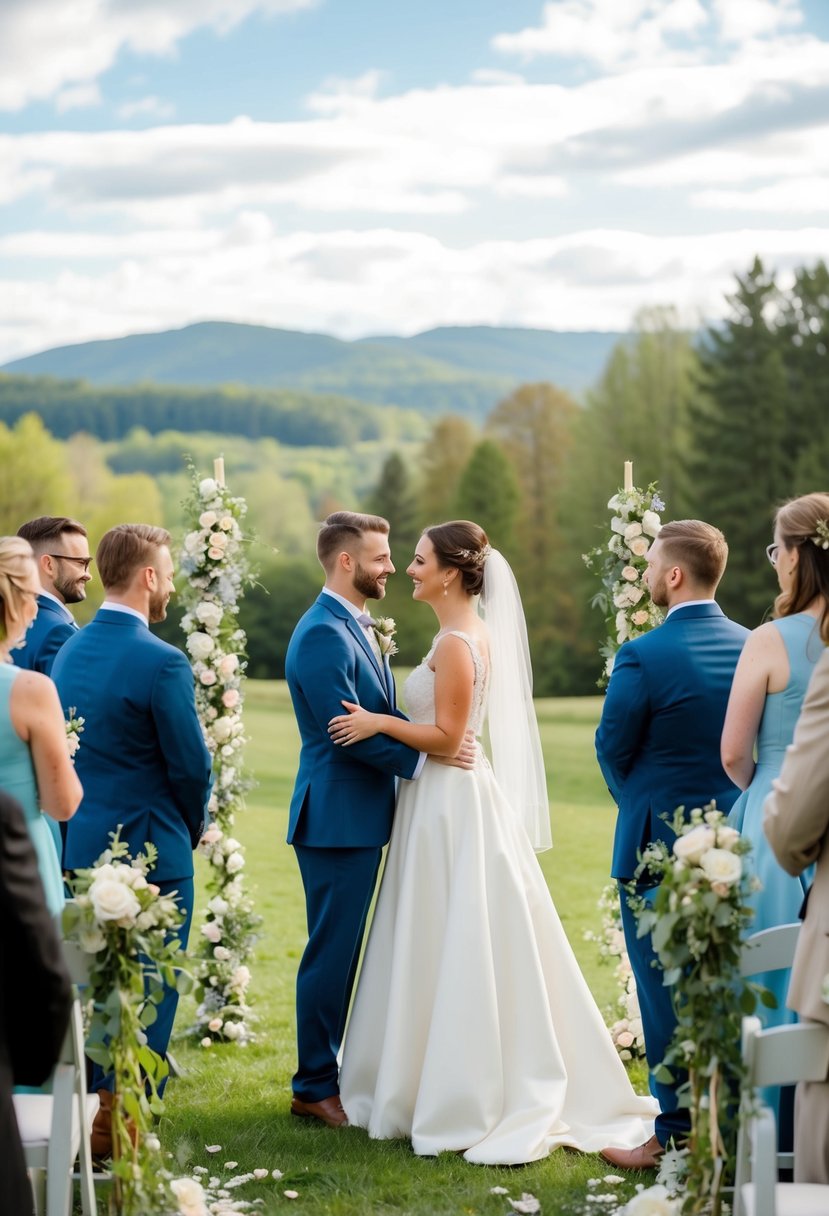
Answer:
[(466, 756)]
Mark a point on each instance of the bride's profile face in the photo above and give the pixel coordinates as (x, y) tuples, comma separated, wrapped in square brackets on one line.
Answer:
[(428, 577)]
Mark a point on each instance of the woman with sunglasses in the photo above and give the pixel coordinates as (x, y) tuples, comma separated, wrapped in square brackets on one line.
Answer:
[(768, 690)]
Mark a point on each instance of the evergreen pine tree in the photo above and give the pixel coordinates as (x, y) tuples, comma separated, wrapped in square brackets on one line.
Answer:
[(743, 466), (488, 493)]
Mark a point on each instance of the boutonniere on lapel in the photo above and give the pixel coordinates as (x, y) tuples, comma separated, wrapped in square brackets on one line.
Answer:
[(384, 630)]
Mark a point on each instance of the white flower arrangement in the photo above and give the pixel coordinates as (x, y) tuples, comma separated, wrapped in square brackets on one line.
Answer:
[(624, 1019), (621, 564), (74, 730), (215, 561)]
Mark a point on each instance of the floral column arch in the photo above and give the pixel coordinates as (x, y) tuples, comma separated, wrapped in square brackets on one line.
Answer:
[(218, 570)]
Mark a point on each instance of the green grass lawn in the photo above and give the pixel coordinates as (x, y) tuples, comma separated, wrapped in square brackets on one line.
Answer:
[(239, 1097)]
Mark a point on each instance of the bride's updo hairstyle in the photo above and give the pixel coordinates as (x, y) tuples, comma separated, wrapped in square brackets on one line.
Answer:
[(461, 545), (17, 567), (804, 524)]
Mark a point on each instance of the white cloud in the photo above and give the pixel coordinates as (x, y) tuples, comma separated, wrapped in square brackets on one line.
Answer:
[(152, 106), (77, 97), (46, 45), (755, 18), (803, 195)]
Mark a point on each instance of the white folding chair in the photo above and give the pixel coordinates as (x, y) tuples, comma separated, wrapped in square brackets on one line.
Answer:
[(782, 1055), (770, 950), (55, 1128)]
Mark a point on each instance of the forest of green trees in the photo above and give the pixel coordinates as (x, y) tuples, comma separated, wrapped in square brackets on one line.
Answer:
[(729, 422)]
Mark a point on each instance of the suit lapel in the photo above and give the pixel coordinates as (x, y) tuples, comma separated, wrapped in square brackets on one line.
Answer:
[(356, 631)]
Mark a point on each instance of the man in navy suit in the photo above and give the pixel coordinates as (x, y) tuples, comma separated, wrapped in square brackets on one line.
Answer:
[(61, 551), (143, 763), (343, 800), (658, 746)]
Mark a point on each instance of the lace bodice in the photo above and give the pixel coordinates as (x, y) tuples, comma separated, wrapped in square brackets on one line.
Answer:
[(419, 688)]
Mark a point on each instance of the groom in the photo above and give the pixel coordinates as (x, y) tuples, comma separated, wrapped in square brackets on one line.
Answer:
[(343, 801), (658, 746)]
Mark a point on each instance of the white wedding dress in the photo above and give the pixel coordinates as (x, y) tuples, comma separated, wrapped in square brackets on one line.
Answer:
[(473, 1029)]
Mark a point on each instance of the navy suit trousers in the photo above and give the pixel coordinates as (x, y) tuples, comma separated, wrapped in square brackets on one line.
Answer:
[(658, 1021), (339, 884)]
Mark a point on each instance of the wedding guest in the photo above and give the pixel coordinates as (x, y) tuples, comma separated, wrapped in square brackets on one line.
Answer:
[(31, 1030), (143, 762), (658, 746), (796, 823), (61, 552), (769, 686), (34, 759)]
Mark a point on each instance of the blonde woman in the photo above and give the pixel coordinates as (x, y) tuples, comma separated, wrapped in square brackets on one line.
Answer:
[(34, 759)]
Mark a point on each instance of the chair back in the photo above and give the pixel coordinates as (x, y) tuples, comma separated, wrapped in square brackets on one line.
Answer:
[(770, 950)]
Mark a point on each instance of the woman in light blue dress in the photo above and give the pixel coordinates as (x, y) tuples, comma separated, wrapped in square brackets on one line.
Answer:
[(768, 690), (34, 758)]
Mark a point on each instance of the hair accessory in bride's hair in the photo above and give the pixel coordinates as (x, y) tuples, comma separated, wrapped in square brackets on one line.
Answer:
[(821, 537), (477, 556)]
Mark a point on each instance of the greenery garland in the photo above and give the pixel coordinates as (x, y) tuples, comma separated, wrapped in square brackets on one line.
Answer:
[(697, 921), (624, 1018), (216, 564), (128, 930)]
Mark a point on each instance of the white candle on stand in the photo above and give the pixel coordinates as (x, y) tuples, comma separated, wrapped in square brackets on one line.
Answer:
[(219, 470), (628, 475)]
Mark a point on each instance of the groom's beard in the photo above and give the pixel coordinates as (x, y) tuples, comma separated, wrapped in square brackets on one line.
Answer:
[(369, 586), (158, 607), (71, 590)]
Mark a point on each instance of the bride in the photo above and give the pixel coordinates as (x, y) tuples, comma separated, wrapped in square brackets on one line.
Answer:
[(473, 1029)]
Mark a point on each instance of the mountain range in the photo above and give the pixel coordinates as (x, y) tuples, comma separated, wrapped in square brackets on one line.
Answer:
[(460, 369)]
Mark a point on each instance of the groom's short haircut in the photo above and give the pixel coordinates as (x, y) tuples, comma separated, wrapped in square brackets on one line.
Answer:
[(43, 531), (125, 549), (700, 548), (340, 530)]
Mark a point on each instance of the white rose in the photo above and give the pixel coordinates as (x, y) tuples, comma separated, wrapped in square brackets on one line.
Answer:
[(221, 729), (221, 954), (235, 862), (655, 1201), (92, 940), (113, 900), (635, 594), (190, 1197), (231, 844), (240, 977), (630, 573), (722, 867), (193, 542), (226, 523), (131, 876), (217, 540), (209, 614), (640, 618), (208, 488), (218, 906), (207, 677), (727, 837), (215, 1024), (200, 645), (617, 524), (691, 845), (207, 519), (228, 665), (231, 1030), (638, 546), (651, 523), (212, 931), (632, 531)]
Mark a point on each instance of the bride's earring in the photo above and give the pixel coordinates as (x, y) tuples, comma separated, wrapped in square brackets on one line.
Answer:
[(445, 588)]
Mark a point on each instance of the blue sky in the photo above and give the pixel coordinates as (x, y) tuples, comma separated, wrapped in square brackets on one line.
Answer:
[(357, 167)]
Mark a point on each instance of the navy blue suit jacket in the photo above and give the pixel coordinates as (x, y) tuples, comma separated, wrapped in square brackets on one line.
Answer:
[(142, 761), (49, 630), (343, 796), (658, 742)]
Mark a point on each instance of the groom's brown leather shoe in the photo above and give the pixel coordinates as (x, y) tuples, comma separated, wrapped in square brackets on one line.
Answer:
[(329, 1111), (645, 1157)]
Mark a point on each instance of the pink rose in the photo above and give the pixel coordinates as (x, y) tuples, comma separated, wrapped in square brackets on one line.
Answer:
[(230, 698)]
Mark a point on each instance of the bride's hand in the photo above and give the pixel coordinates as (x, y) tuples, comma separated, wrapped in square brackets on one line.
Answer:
[(357, 724)]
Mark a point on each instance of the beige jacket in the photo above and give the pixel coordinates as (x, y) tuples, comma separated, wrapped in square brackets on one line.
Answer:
[(796, 822)]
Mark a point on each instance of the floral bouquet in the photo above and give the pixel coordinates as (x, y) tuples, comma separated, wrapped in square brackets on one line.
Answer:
[(214, 558), (620, 564), (697, 920), (74, 730), (385, 628), (127, 928)]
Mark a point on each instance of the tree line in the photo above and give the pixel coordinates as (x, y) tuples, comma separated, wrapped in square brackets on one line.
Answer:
[(730, 422)]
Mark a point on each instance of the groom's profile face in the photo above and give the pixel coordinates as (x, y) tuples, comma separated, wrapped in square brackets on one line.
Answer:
[(372, 565)]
